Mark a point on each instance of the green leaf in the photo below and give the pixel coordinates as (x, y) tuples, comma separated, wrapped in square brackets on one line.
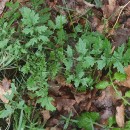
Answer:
[(119, 66), (127, 125), (98, 3), (3, 43), (32, 84), (76, 82), (126, 57), (111, 121), (121, 49), (7, 112), (119, 76), (41, 29), (43, 38), (51, 24), (102, 85), (101, 63), (31, 42), (46, 102), (86, 120), (81, 47), (28, 31), (69, 51), (30, 18), (88, 62), (60, 20), (68, 64), (127, 94), (118, 129)]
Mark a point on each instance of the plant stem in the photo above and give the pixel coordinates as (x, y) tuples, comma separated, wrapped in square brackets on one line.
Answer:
[(117, 91)]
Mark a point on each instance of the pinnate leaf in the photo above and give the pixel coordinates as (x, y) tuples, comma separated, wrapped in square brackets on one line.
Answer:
[(86, 120), (88, 61), (30, 18), (81, 47), (119, 66), (127, 94), (119, 76), (46, 102), (69, 51), (60, 20), (102, 85)]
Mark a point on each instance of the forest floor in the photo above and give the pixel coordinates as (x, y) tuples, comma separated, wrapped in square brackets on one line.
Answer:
[(110, 98)]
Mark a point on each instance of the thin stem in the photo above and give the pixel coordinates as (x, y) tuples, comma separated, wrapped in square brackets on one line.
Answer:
[(119, 16), (117, 91), (20, 120)]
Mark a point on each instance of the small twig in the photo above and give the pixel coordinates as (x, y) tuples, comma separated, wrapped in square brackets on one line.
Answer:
[(113, 48), (119, 16)]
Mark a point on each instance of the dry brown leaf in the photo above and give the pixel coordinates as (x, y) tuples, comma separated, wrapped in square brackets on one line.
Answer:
[(53, 128), (120, 115), (54, 88), (107, 98), (112, 4), (80, 97), (3, 93), (46, 115), (100, 28), (127, 23), (65, 104), (105, 115), (6, 83), (121, 36), (4, 89), (82, 6), (21, 1), (127, 70), (88, 4), (2, 5), (106, 102), (62, 81)]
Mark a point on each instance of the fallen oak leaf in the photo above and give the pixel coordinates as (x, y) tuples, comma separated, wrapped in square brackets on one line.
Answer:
[(65, 104), (4, 90), (82, 6), (6, 83), (46, 115), (3, 93), (127, 70), (112, 4), (80, 97), (2, 5), (60, 79), (120, 115)]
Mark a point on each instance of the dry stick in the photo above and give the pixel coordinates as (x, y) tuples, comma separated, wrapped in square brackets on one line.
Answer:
[(119, 16)]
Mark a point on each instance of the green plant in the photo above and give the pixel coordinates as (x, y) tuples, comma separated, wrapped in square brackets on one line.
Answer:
[(91, 53), (87, 120)]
